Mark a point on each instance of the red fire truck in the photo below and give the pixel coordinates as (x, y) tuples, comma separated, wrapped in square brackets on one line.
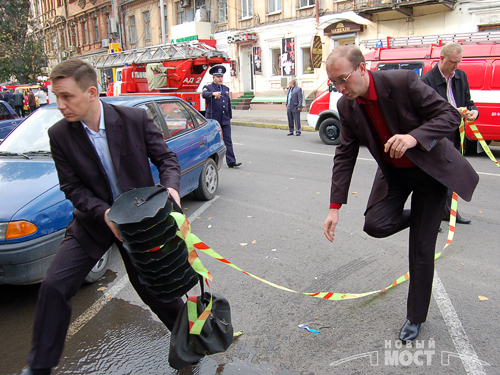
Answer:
[(170, 69), (481, 62)]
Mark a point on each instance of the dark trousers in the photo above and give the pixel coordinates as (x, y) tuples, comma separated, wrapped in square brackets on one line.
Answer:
[(389, 216), (19, 110), (455, 138), (63, 279), (226, 135), (293, 117)]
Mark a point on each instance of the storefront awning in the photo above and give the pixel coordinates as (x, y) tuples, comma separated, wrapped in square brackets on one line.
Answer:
[(331, 19)]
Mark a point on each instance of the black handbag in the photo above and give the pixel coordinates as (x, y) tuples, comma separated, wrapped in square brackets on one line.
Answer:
[(203, 327)]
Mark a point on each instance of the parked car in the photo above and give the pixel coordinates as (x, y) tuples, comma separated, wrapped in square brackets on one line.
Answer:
[(8, 119), (35, 213)]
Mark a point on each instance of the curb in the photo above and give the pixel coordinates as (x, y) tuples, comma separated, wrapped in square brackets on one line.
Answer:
[(269, 126)]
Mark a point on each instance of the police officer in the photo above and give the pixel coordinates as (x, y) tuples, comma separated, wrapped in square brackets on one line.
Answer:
[(219, 108)]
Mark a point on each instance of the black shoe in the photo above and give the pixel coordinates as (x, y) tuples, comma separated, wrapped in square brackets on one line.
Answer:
[(298, 133), (291, 133), (440, 230), (30, 371), (461, 220), (233, 164), (409, 332)]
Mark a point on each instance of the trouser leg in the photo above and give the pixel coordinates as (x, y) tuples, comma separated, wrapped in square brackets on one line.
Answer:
[(167, 312), (226, 135), (63, 279), (296, 119), (289, 116), (428, 198)]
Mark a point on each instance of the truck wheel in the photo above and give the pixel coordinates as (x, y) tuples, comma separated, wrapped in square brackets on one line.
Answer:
[(329, 131), (209, 181), (99, 269)]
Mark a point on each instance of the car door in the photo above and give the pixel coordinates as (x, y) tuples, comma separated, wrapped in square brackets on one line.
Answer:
[(186, 139)]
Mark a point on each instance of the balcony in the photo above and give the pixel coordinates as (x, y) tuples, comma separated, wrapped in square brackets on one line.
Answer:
[(367, 8)]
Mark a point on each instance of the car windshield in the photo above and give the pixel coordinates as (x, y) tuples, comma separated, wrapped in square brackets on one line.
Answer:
[(31, 135)]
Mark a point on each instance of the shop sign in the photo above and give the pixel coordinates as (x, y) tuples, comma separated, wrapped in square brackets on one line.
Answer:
[(343, 27), (288, 57), (257, 62), (242, 38), (316, 52)]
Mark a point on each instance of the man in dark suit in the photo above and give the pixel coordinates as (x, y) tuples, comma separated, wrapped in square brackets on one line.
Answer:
[(404, 124), (99, 151), (451, 83), (219, 108), (293, 106)]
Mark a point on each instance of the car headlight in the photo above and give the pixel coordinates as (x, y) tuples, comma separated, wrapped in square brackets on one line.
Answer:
[(16, 229)]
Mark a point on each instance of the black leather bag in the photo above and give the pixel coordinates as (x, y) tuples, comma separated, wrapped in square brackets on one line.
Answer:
[(215, 336)]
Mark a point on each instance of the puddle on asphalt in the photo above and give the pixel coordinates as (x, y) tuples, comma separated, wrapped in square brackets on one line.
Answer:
[(125, 339)]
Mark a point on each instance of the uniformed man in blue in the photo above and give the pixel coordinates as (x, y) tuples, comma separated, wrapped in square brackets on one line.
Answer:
[(219, 108)]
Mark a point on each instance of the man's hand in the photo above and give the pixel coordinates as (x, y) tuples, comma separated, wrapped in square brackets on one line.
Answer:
[(217, 94), (330, 224), (472, 115), (299, 109), (112, 225), (175, 195), (398, 144)]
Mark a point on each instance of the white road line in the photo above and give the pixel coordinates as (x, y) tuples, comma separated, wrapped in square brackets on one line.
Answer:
[(489, 174), (460, 339), (97, 306)]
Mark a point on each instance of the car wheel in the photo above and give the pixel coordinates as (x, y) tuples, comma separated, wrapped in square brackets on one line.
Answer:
[(329, 131), (209, 181), (99, 269)]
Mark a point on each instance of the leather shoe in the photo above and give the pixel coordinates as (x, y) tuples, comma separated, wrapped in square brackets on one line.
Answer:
[(291, 133), (409, 332), (233, 164), (461, 220), (298, 134), (30, 371), (440, 230)]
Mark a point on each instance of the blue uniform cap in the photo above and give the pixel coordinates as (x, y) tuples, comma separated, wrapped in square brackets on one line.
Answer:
[(217, 70)]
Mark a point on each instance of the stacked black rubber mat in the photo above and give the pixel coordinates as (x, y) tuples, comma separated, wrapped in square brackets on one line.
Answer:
[(149, 236)]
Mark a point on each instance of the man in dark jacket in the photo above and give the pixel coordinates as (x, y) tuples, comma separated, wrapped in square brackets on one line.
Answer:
[(293, 106), (451, 83), (19, 102), (97, 158), (404, 124), (219, 108)]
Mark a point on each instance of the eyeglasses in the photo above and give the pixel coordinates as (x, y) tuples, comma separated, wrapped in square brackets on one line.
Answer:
[(343, 81)]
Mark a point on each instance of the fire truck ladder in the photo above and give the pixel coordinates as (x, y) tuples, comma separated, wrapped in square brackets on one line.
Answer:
[(159, 53), (485, 37)]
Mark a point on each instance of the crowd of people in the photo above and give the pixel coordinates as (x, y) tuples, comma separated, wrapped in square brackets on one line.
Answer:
[(23, 100)]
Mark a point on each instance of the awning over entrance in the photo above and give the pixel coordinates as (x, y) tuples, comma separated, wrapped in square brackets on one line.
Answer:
[(327, 22)]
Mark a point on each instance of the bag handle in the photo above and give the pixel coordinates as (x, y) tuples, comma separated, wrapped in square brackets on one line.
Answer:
[(196, 322), (140, 201)]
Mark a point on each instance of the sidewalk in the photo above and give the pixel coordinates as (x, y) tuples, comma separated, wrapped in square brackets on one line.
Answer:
[(266, 119)]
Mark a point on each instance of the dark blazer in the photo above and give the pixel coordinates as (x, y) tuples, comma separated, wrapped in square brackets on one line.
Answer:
[(132, 139), (295, 98), (218, 109), (460, 86), (409, 107)]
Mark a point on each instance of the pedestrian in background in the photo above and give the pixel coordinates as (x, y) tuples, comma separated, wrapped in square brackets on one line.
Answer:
[(19, 103), (404, 124), (219, 108), (31, 101), (41, 95), (9, 97), (294, 107), (451, 83)]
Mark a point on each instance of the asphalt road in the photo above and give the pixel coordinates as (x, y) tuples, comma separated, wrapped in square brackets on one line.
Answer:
[(267, 220)]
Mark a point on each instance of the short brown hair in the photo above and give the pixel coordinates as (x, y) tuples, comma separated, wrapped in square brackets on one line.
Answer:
[(449, 48), (351, 53), (83, 73)]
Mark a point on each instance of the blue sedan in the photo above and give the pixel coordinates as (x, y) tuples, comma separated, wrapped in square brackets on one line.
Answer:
[(8, 119), (35, 213)]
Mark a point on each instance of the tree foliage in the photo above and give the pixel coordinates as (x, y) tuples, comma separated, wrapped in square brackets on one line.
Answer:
[(22, 54)]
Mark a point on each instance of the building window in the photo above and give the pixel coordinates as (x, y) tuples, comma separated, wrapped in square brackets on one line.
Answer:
[(132, 32), (184, 14), (275, 61), (85, 33), (107, 23), (306, 3), (274, 6), (246, 8), (73, 36), (222, 6), (147, 25), (166, 20), (306, 61), (96, 29)]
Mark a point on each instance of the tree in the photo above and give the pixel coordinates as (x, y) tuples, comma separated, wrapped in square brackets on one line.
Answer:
[(22, 54)]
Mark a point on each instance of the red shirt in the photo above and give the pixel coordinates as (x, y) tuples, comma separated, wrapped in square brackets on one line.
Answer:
[(377, 121)]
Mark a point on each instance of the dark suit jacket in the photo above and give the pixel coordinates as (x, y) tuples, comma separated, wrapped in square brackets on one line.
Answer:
[(132, 139), (409, 107), (295, 98), (218, 109)]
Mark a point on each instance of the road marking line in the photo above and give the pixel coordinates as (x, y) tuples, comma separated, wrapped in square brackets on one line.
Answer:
[(460, 339), (489, 174), (112, 292)]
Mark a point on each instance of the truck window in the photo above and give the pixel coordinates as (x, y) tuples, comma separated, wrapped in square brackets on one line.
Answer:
[(417, 67), (176, 117)]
